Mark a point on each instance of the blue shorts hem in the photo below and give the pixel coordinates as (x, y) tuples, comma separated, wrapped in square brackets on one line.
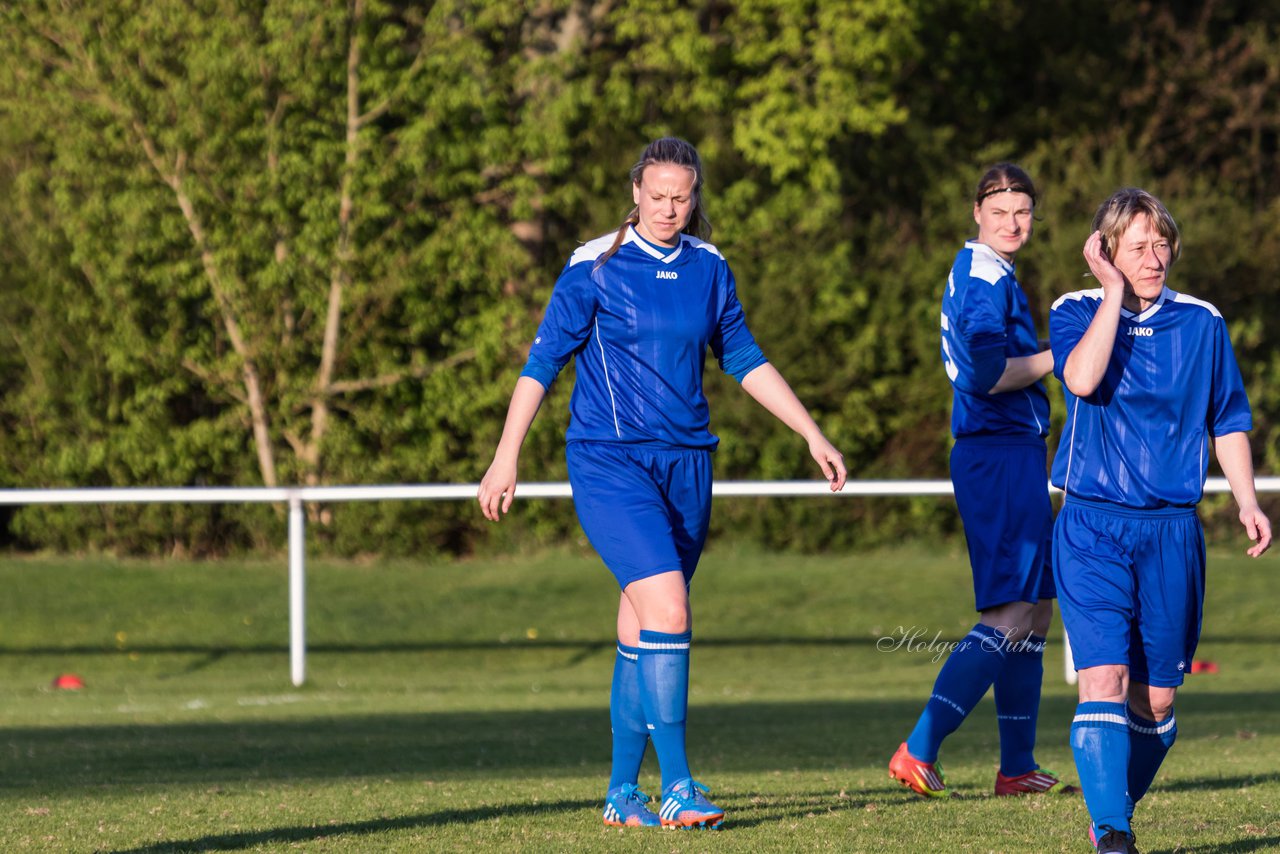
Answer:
[(640, 575), (983, 605), (1134, 676)]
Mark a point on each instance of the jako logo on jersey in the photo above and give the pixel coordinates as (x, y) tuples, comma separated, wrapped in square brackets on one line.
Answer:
[(1141, 331), (668, 274)]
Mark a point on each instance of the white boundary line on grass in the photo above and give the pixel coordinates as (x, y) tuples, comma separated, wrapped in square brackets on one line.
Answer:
[(296, 497)]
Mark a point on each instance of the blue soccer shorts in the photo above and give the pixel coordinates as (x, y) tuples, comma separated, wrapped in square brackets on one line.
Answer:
[(645, 510), (1002, 491), (1130, 587)]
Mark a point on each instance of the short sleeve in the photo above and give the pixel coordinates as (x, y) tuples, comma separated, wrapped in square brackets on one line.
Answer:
[(565, 325), (983, 332), (1068, 321), (732, 342), (1229, 410), (984, 317)]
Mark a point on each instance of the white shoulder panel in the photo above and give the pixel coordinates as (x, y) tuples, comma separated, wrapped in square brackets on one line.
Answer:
[(696, 243), (1183, 299), (593, 249), (987, 268), (1076, 296)]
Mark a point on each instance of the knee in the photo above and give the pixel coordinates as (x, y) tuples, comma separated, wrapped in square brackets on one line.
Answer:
[(1041, 617), (1154, 704), (671, 618), (1107, 683), (1015, 620)]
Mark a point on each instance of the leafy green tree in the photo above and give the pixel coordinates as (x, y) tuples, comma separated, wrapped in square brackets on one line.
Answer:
[(308, 242), (264, 246)]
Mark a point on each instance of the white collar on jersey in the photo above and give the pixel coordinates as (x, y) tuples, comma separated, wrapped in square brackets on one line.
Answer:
[(1165, 295), (650, 249), (1004, 263)]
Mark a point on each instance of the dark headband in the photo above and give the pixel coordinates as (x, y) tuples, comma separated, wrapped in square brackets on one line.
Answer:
[(1017, 188)]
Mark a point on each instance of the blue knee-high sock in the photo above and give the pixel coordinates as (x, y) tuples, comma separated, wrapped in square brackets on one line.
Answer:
[(1017, 691), (1100, 743), (626, 716), (664, 690), (970, 669), (1149, 741)]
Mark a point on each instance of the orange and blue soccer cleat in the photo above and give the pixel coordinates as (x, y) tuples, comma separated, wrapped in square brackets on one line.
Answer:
[(625, 807), (923, 778), (685, 805), (1038, 782)]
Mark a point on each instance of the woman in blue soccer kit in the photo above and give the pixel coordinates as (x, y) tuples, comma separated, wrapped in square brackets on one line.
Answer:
[(638, 309), (1150, 382), (999, 417)]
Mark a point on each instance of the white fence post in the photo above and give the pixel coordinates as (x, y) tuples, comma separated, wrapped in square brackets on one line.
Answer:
[(297, 590), (1068, 660)]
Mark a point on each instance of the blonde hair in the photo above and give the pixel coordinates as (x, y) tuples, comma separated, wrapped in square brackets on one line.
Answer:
[(1118, 212)]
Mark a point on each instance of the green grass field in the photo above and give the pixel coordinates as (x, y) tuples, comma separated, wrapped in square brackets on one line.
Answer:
[(463, 707)]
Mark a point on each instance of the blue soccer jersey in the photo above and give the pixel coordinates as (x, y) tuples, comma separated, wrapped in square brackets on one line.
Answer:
[(640, 325), (1141, 440), (986, 320)]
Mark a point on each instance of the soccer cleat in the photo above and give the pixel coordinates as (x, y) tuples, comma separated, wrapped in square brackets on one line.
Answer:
[(1039, 781), (1113, 841), (625, 807), (685, 805), (923, 778)]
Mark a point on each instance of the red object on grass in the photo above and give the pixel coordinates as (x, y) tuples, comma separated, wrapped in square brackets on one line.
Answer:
[(68, 682), (1204, 667)]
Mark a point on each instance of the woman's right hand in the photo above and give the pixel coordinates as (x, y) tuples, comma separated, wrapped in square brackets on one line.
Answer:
[(497, 489), (1111, 279)]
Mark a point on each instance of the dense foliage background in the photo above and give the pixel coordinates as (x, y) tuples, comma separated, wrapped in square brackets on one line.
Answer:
[(307, 242)]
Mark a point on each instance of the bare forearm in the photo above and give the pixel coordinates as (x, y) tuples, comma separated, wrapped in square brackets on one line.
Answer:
[(498, 486), (1235, 458), (767, 387), (525, 402), (771, 391), (1022, 371), (1087, 363)]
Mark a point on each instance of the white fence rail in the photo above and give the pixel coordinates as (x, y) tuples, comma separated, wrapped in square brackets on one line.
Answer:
[(296, 497)]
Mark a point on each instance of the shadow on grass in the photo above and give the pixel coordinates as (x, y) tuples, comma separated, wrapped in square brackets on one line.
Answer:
[(1239, 846), (837, 736), (532, 743), (246, 840), (208, 655), (1215, 784)]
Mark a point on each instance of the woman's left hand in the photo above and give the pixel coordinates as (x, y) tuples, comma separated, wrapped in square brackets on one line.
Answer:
[(1258, 527)]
